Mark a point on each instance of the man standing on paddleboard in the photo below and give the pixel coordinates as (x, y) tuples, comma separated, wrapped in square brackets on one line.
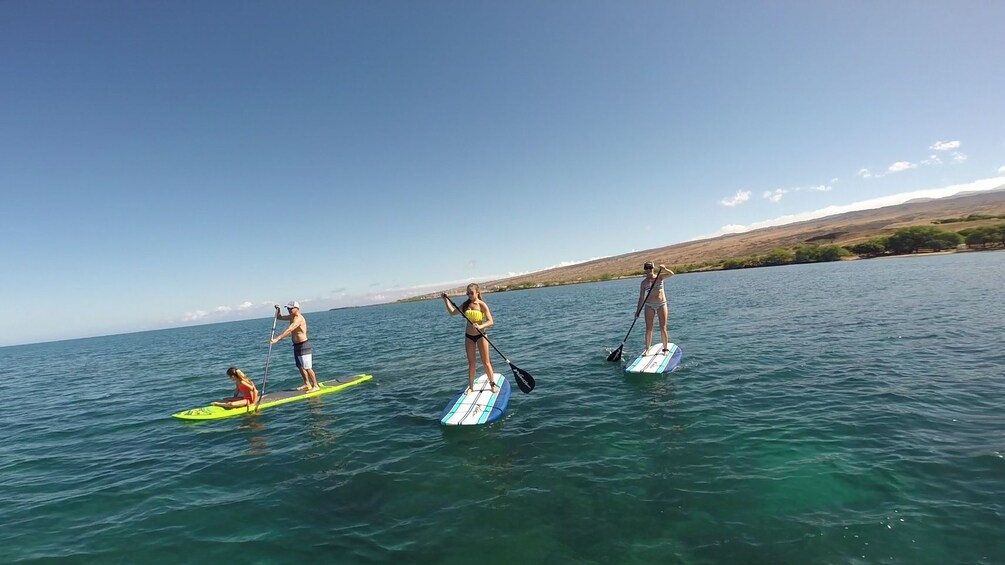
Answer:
[(301, 347)]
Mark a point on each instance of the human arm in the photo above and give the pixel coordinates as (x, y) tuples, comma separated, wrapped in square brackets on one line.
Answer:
[(297, 323), (642, 296), (280, 316), (449, 305), (487, 322), (254, 396)]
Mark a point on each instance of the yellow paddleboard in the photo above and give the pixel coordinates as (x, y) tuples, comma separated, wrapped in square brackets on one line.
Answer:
[(272, 399)]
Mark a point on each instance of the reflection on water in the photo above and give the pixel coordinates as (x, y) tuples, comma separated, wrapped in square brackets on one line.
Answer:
[(254, 432), (319, 422)]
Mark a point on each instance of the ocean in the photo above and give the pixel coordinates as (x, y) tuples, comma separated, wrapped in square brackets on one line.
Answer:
[(847, 412)]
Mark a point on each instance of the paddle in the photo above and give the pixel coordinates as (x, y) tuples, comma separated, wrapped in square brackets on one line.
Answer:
[(524, 380), (268, 360), (616, 354)]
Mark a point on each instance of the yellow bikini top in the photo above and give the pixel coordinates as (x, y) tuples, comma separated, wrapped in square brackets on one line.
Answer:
[(474, 316)]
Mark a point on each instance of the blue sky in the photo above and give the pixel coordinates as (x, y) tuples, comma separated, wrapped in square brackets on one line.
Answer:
[(168, 163)]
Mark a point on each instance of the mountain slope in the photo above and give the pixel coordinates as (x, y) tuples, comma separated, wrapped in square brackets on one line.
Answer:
[(841, 229)]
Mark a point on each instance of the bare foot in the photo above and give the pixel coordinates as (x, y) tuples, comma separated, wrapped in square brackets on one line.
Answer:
[(315, 389), (495, 388), (470, 389), (302, 388)]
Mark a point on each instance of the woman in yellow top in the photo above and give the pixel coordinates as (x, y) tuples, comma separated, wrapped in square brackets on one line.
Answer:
[(479, 319)]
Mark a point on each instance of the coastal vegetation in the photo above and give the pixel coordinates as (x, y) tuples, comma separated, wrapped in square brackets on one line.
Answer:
[(984, 237), (904, 241), (970, 218)]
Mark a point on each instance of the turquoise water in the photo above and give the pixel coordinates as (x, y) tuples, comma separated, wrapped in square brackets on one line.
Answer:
[(834, 413)]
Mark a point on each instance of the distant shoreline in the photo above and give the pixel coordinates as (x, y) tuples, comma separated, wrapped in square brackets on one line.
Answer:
[(709, 269)]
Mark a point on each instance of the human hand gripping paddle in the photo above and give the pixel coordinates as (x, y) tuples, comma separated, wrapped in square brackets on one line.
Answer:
[(268, 360), (523, 379), (616, 354)]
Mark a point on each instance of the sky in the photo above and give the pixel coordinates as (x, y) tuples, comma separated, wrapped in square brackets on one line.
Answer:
[(185, 162)]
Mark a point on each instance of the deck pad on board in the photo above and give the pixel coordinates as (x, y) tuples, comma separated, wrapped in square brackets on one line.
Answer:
[(655, 361), (273, 399), (479, 407)]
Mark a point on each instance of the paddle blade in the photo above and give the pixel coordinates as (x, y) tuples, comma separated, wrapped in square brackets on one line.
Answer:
[(616, 354), (523, 379)]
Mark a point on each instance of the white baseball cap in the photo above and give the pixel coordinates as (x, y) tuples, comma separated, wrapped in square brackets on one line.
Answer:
[(293, 304)]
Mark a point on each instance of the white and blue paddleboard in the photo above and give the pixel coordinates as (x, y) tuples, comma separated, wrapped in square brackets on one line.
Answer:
[(655, 361), (479, 407)]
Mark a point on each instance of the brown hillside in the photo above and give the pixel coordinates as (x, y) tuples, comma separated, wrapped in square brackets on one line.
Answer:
[(841, 229)]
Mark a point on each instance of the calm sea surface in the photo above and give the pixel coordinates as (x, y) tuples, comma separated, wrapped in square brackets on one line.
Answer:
[(847, 412)]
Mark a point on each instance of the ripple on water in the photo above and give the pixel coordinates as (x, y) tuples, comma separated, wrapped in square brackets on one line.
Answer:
[(842, 412)]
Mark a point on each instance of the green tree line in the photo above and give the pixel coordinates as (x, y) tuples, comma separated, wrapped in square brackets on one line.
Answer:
[(971, 218), (903, 241), (916, 238)]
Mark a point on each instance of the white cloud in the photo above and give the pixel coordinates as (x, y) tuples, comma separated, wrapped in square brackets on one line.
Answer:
[(1001, 170), (729, 228), (932, 159), (193, 316), (775, 195), (570, 263), (901, 166), (893, 199), (741, 197), (243, 311), (945, 145)]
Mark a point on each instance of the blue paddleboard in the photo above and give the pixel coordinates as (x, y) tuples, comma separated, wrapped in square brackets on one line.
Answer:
[(655, 361), (479, 407)]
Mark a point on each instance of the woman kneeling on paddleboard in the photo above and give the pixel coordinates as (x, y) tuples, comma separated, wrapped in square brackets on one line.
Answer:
[(246, 393), (479, 319)]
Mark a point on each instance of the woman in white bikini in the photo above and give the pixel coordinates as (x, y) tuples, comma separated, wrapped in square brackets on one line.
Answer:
[(656, 303), (479, 319)]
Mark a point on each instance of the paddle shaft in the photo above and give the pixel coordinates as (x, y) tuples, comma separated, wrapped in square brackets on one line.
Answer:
[(268, 360)]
